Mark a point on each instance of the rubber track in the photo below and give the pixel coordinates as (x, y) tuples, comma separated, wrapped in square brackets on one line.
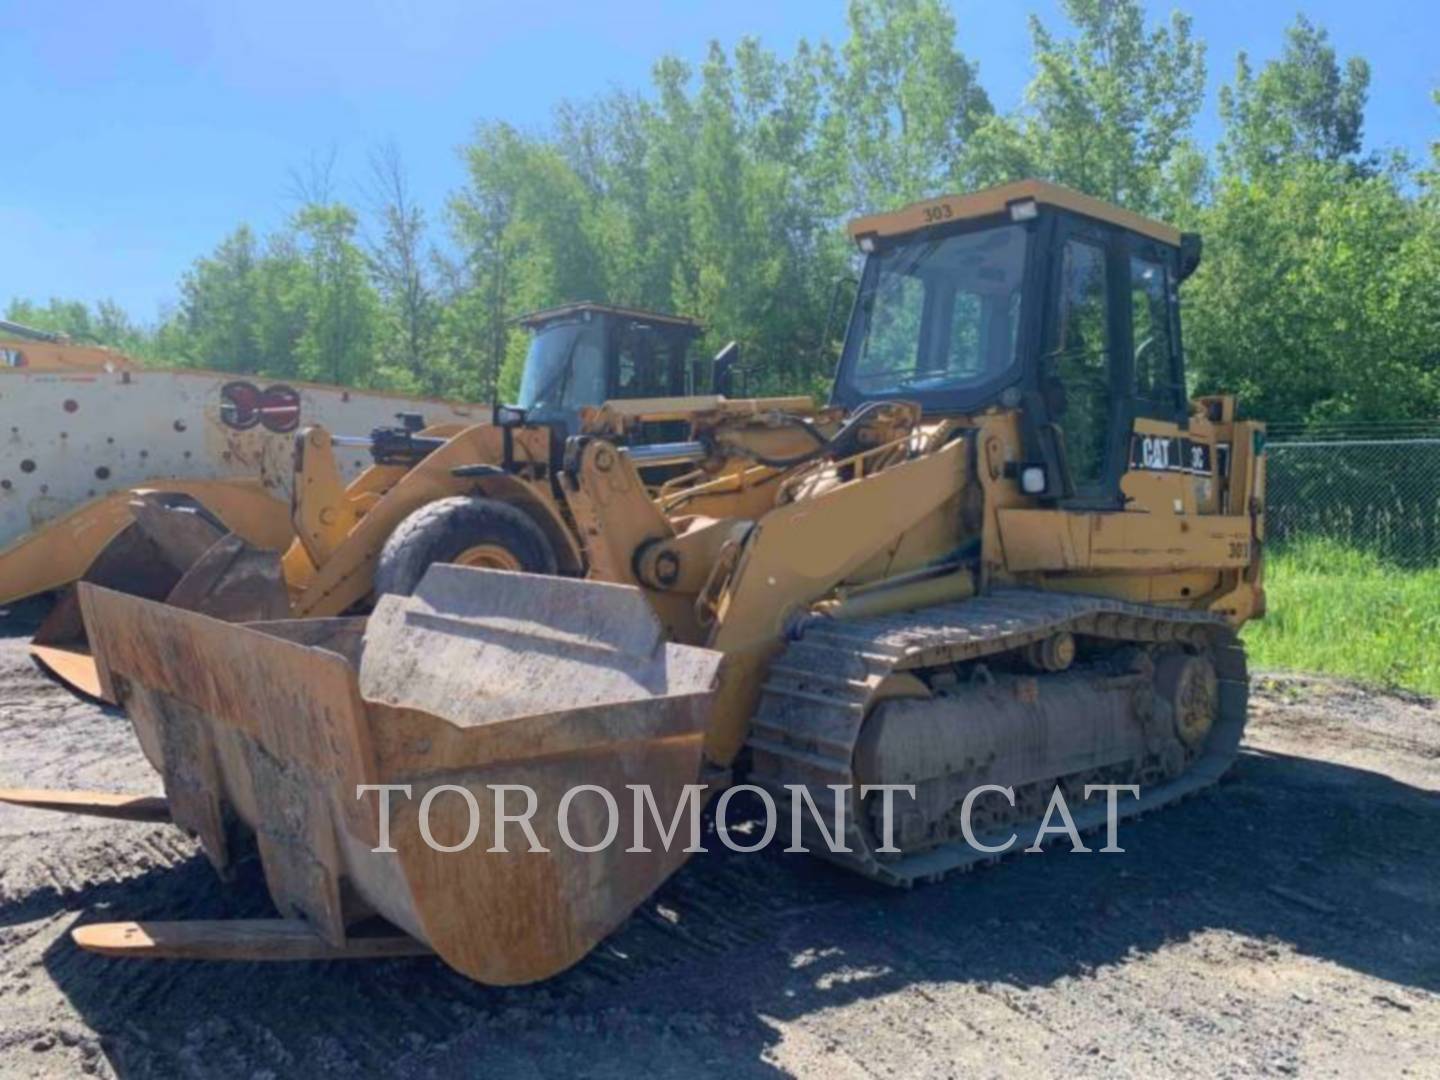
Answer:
[(820, 689)]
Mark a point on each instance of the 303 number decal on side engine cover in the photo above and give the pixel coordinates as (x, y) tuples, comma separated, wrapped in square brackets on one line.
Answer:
[(1170, 453)]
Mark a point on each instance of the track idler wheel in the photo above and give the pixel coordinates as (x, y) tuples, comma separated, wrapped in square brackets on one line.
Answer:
[(1054, 653), (1187, 684)]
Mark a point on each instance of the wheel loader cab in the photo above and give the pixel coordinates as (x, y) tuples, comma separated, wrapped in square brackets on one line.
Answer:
[(1033, 297), (582, 355)]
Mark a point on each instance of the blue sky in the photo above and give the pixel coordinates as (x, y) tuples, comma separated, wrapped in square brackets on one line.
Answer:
[(139, 133)]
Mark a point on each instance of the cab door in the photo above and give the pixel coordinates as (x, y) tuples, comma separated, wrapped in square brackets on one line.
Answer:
[(1084, 374), (1169, 462)]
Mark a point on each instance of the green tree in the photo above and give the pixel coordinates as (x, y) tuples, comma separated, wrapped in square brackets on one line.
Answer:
[(1301, 107), (220, 307), (520, 221), (905, 102), (1320, 288), (1318, 296), (337, 343), (282, 309), (400, 269), (1108, 110), (721, 192), (103, 323)]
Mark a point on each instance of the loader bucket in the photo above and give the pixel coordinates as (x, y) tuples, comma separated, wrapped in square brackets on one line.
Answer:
[(234, 581), (482, 678), (173, 551)]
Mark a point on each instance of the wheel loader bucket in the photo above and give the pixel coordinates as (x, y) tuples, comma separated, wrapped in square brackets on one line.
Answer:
[(173, 550), (481, 679), (234, 581)]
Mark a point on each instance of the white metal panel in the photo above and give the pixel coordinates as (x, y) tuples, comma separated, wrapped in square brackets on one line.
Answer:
[(66, 438)]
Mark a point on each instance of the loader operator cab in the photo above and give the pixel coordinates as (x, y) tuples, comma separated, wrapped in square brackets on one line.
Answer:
[(581, 356), (586, 354), (1025, 296)]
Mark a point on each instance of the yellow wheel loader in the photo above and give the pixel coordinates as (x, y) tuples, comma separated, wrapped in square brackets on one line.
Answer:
[(1011, 570), (483, 495)]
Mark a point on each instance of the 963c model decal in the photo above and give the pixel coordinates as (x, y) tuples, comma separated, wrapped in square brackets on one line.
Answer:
[(1170, 453)]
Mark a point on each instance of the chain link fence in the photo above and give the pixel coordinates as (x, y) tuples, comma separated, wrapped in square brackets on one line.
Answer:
[(1371, 486)]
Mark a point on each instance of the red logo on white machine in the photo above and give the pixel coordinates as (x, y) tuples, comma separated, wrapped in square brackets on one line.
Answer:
[(276, 408)]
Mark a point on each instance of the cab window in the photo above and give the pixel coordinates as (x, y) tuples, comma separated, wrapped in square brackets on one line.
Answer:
[(939, 315), (649, 363), (1079, 379), (1154, 352)]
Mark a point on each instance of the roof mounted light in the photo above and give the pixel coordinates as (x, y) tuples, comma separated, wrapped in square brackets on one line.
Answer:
[(866, 242), (1024, 210)]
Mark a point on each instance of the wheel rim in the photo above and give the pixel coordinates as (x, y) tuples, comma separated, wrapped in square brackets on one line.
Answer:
[(489, 557), (1196, 703)]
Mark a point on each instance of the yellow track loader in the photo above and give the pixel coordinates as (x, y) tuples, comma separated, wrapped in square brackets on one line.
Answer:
[(1012, 568), (486, 494)]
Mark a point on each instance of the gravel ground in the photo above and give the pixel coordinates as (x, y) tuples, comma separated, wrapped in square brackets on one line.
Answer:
[(1286, 922)]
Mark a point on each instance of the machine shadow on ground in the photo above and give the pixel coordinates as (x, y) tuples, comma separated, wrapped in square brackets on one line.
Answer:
[(1336, 862)]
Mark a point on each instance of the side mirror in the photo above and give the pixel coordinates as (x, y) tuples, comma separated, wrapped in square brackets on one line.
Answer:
[(725, 364), (1190, 250)]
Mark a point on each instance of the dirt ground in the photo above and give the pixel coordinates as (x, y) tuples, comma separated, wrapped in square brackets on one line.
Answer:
[(1285, 922)]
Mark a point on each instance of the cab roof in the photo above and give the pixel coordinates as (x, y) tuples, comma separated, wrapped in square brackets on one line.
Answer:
[(565, 311), (997, 200)]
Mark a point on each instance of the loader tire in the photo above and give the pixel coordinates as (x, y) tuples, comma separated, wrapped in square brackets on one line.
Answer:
[(464, 529)]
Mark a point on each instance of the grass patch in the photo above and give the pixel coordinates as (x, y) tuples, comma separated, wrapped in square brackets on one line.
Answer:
[(1340, 611)]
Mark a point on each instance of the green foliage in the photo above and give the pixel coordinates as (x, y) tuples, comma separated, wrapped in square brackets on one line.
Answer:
[(1111, 105), (904, 102), (1300, 108), (1318, 297), (221, 305), (409, 311), (721, 192), (337, 341), (1320, 289), (1341, 611), (104, 323)]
